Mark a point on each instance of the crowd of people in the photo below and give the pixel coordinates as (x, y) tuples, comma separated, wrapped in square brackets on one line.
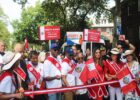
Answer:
[(54, 69)]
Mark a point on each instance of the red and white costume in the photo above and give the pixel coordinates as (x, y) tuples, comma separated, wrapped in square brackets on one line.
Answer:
[(7, 83), (52, 68), (68, 67), (112, 68)]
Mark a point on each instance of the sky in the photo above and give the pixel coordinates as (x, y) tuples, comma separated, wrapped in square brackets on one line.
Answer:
[(13, 10)]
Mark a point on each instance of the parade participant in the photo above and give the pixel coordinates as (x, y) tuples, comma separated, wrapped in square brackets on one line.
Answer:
[(2, 50), (68, 67), (134, 68), (52, 72), (75, 51), (82, 93), (111, 68), (19, 48), (7, 79), (35, 71), (98, 91), (122, 50), (88, 54), (103, 53)]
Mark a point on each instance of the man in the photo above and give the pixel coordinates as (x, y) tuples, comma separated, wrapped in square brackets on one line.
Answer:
[(19, 48), (82, 93), (52, 72), (122, 50), (75, 51), (2, 50), (68, 67)]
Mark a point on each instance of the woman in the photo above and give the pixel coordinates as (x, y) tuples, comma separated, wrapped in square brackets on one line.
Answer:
[(133, 66), (111, 68), (99, 91), (7, 79)]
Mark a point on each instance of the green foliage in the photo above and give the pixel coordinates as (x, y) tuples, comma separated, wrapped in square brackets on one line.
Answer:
[(71, 15), (4, 33), (27, 26)]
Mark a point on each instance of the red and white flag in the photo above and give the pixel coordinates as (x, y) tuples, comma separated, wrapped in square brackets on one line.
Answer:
[(126, 82), (26, 44), (89, 71), (19, 71)]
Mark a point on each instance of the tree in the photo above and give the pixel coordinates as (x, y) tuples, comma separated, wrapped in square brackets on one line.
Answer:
[(27, 26), (4, 33)]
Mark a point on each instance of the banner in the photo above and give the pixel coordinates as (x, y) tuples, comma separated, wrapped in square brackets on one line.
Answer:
[(49, 32), (74, 38), (92, 35)]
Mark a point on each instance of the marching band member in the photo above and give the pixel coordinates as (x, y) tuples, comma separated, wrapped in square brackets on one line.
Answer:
[(82, 93), (68, 67), (134, 68), (8, 84), (52, 72), (112, 67)]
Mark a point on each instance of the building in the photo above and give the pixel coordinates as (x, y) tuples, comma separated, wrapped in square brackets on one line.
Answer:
[(104, 26), (130, 15)]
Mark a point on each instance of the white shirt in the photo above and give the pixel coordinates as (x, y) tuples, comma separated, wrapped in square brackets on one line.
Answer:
[(77, 73), (7, 86), (51, 71), (65, 71), (39, 69)]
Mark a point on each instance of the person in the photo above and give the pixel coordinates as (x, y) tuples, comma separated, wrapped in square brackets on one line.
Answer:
[(75, 51), (41, 57), (122, 50), (7, 78), (134, 68), (103, 53), (67, 72), (111, 68), (19, 48), (2, 51), (52, 72), (82, 93), (35, 72), (98, 91), (88, 54)]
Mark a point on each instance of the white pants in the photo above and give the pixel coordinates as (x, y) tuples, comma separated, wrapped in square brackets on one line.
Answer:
[(115, 91)]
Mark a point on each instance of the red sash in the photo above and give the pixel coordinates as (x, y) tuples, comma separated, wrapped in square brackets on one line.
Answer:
[(4, 74), (72, 65), (55, 63), (34, 72), (114, 66), (19, 71)]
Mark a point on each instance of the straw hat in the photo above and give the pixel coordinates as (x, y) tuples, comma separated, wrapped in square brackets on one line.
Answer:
[(114, 51), (9, 59), (128, 52)]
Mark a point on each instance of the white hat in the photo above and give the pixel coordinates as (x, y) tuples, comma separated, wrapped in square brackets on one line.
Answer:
[(115, 51), (128, 52), (9, 59)]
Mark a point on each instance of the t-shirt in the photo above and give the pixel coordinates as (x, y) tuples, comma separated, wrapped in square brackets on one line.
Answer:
[(66, 68), (7, 85), (39, 69), (79, 68), (50, 70)]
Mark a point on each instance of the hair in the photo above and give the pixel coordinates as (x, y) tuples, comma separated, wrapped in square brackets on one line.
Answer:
[(33, 53), (100, 59), (134, 57), (118, 58)]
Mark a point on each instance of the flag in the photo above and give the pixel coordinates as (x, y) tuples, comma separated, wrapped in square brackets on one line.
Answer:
[(126, 82), (92, 72), (41, 33), (26, 44), (19, 71), (89, 71)]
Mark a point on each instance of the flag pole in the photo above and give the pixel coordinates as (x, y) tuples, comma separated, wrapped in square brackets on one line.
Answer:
[(91, 48)]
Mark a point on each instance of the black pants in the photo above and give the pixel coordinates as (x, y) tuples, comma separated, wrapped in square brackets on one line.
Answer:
[(82, 97)]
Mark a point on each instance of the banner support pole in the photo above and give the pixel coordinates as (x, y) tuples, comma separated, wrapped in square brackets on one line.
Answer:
[(91, 49)]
